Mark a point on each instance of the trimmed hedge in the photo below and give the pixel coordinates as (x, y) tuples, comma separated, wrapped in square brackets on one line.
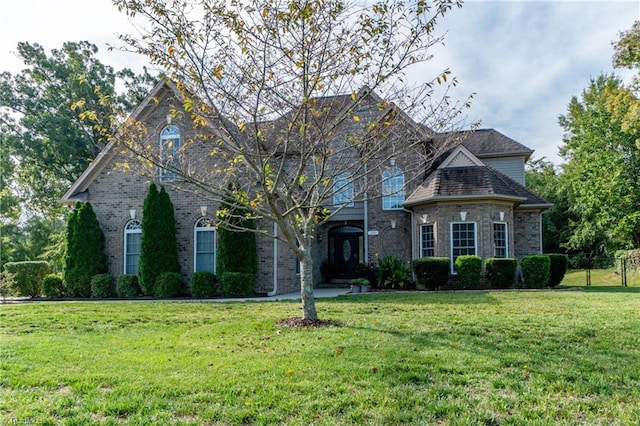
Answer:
[(469, 270), (431, 272), (168, 284), (501, 273), (53, 286), (128, 286), (28, 276), (535, 270), (101, 286), (558, 267), (204, 285), (237, 284)]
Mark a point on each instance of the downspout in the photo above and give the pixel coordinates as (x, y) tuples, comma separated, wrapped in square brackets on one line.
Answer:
[(275, 261), (365, 202)]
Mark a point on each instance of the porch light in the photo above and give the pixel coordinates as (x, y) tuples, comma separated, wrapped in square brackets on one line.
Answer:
[(132, 213), (393, 224), (463, 216), (204, 210)]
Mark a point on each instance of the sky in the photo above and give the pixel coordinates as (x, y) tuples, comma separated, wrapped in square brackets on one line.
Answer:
[(522, 60)]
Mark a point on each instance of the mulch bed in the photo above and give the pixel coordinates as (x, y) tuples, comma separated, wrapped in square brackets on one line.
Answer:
[(307, 323)]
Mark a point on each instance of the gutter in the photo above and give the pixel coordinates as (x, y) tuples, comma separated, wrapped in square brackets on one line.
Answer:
[(275, 261)]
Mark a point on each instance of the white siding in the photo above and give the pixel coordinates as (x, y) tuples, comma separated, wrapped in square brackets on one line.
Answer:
[(512, 167)]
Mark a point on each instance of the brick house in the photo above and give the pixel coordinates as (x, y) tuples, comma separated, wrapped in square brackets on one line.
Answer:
[(470, 200)]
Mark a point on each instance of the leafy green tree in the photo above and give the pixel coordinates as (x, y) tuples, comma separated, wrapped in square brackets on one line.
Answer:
[(158, 244), (240, 65), (603, 167), (237, 250), (85, 255)]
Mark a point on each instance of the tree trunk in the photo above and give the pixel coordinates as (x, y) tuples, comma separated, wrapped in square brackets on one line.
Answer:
[(306, 287)]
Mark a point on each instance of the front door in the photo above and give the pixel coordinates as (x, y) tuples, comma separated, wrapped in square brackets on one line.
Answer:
[(346, 244)]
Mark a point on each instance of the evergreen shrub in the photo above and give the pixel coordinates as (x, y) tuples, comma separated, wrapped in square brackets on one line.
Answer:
[(431, 272), (204, 285), (392, 272), (501, 273), (535, 270), (53, 286), (102, 286), (28, 276), (237, 284), (469, 270), (558, 267), (128, 286), (168, 284)]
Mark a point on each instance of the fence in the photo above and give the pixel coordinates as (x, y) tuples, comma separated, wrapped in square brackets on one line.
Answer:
[(620, 266)]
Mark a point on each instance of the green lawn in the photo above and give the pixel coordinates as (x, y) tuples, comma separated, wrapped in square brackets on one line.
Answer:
[(600, 277), (508, 358)]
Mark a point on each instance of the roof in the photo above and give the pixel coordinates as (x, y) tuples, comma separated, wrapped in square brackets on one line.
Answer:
[(473, 182), (485, 143)]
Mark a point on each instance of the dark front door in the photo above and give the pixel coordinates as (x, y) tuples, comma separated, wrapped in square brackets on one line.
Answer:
[(346, 244)]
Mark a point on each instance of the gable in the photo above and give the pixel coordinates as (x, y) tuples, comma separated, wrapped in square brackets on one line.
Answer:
[(460, 157)]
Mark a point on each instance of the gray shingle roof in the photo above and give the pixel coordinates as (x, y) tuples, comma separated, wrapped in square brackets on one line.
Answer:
[(484, 143), (475, 181)]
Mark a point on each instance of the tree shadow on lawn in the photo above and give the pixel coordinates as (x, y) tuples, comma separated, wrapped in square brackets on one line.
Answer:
[(457, 297), (610, 289)]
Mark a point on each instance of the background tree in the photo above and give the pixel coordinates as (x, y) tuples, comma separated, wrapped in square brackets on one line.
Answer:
[(158, 245), (237, 250), (85, 256), (266, 73)]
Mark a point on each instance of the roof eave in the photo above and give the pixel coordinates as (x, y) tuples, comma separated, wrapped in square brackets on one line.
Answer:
[(514, 199)]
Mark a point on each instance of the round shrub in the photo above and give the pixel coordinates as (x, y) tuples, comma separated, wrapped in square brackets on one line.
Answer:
[(128, 286), (237, 284), (28, 276), (469, 270), (558, 267), (431, 272), (101, 286), (535, 270), (53, 286), (501, 273), (204, 285), (168, 284)]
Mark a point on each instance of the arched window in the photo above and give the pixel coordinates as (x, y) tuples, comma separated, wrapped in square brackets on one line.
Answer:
[(392, 188), (169, 152), (204, 242), (343, 190), (132, 235)]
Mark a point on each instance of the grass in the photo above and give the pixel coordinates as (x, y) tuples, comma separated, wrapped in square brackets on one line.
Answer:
[(600, 277), (492, 358)]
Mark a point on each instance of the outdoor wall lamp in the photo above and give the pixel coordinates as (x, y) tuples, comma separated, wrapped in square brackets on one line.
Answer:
[(319, 236), (204, 210), (393, 224), (463, 216), (132, 213), (392, 161)]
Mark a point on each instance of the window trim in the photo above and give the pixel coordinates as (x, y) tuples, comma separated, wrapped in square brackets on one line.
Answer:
[(433, 240), (475, 242), (506, 239), (166, 175), (345, 191), (197, 229), (130, 231), (389, 174)]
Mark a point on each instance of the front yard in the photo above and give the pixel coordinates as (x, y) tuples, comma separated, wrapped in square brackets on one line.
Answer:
[(525, 357)]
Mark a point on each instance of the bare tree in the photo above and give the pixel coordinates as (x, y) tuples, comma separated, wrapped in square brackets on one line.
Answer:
[(301, 101)]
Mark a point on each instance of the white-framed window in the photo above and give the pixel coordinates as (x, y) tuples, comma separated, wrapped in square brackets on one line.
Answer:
[(392, 188), (463, 241), (204, 245), (343, 193), (169, 152), (427, 240), (132, 237), (500, 240)]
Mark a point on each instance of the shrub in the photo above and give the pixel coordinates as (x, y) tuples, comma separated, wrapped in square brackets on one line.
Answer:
[(469, 270), (392, 272), (237, 284), (431, 272), (501, 273), (28, 276), (558, 267), (101, 286), (128, 286), (85, 255), (204, 284), (168, 284), (53, 286), (7, 283), (535, 270)]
